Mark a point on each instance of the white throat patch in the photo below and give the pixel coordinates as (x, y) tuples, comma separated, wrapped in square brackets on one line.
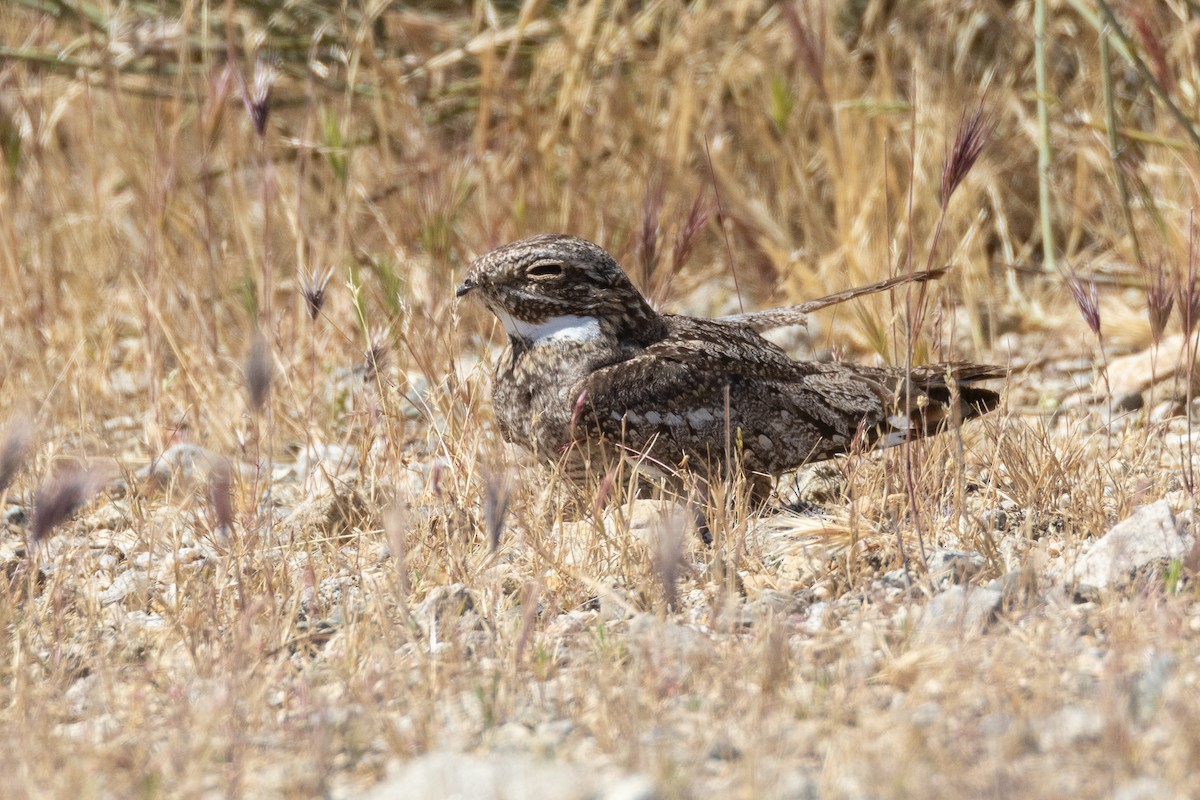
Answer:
[(567, 328)]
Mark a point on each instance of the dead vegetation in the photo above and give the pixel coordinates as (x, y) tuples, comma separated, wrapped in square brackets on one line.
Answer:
[(261, 537)]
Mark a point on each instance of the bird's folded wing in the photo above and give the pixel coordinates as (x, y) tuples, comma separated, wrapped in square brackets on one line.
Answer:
[(708, 378), (771, 318)]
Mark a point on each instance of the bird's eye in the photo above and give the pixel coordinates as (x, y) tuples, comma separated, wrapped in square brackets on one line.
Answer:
[(545, 269)]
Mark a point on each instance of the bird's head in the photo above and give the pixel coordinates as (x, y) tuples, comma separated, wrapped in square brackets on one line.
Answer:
[(555, 287)]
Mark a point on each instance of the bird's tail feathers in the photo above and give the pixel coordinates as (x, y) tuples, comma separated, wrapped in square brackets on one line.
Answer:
[(937, 397)]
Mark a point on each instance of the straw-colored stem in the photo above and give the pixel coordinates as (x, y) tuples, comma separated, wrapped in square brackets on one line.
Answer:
[(1043, 114), (1114, 146)]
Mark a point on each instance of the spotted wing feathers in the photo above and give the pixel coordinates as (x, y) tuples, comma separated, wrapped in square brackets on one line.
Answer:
[(710, 385)]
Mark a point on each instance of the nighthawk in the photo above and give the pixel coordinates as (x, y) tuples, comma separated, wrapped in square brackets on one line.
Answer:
[(593, 369)]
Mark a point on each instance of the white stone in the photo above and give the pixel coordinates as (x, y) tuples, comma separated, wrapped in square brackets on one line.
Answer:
[(960, 609), (1150, 534)]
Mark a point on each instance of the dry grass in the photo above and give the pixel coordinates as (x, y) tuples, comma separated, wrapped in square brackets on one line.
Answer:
[(311, 558)]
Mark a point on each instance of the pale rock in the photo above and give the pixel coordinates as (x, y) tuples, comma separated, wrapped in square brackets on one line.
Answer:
[(1167, 410), (1143, 788), (633, 787), (1070, 727), (510, 776), (1139, 371), (668, 638), (960, 608), (1150, 534), (446, 609), (187, 462), (127, 583)]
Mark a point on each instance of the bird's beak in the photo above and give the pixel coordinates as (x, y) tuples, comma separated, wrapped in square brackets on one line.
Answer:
[(464, 288)]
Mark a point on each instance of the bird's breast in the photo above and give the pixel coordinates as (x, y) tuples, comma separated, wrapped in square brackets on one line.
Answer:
[(535, 389)]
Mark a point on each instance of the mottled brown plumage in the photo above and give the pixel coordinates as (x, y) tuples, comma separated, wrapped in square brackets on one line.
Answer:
[(590, 363)]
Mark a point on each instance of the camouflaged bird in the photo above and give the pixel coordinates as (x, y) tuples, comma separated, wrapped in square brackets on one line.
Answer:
[(590, 365)]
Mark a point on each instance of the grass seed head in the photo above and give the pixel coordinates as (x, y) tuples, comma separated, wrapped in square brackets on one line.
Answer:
[(652, 205), (1160, 300), (220, 497), (495, 509), (686, 238), (1086, 298), (1188, 292), (259, 372), (60, 497), (1152, 46), (376, 356), (808, 34), (972, 135), (14, 450), (312, 287), (220, 84), (258, 100), (667, 558)]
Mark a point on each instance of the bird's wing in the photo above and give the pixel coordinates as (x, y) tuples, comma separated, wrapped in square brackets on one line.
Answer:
[(771, 318), (710, 385)]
